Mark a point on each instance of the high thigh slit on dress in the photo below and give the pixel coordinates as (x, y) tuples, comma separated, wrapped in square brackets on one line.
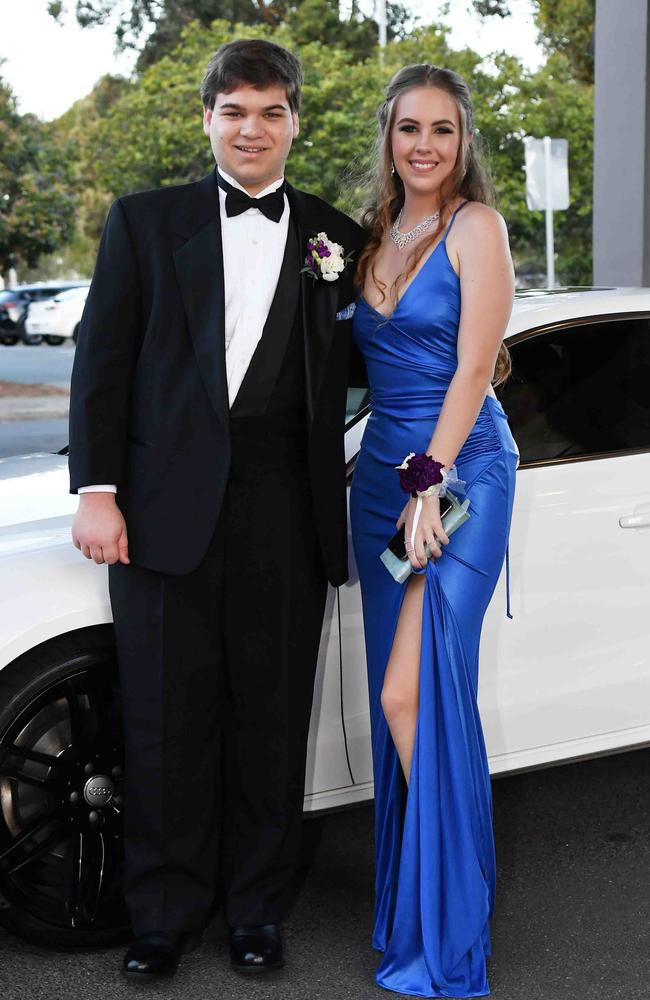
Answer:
[(435, 862)]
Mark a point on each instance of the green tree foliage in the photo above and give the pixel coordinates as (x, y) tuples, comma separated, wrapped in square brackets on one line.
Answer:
[(146, 133), (80, 125), (37, 202), (557, 101), (567, 28), (564, 26), (156, 26)]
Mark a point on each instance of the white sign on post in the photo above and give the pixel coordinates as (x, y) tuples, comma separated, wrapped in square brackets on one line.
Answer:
[(547, 186)]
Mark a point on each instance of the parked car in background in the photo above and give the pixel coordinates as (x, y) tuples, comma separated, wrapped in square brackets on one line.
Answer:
[(566, 678), (57, 319), (14, 305)]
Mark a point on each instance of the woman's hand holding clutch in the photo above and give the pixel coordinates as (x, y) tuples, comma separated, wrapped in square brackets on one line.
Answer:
[(428, 529)]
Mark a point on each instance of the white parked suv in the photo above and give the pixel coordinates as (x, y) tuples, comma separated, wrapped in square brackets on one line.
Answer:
[(58, 318), (567, 677)]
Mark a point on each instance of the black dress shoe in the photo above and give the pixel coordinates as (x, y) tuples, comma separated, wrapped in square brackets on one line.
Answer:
[(154, 956), (256, 949)]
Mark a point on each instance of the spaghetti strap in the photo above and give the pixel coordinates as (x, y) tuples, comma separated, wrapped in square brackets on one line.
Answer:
[(451, 221)]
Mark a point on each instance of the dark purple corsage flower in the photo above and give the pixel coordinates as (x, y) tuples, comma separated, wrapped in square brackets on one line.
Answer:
[(418, 472)]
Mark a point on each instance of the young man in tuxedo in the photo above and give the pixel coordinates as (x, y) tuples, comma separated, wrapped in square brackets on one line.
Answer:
[(206, 438)]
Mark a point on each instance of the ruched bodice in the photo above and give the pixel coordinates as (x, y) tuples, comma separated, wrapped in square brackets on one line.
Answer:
[(434, 847)]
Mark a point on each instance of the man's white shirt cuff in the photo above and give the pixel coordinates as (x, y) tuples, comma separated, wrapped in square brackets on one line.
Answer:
[(97, 489)]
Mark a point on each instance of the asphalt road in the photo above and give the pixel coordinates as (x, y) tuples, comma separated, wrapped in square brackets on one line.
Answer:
[(571, 921), (50, 365), (23, 437)]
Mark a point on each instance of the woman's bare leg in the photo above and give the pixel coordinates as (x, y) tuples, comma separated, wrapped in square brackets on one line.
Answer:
[(399, 696)]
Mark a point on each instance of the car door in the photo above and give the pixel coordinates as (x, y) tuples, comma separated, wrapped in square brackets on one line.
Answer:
[(354, 682), (569, 674), (329, 773)]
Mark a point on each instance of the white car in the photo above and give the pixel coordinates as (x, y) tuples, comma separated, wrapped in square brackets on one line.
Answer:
[(567, 677), (57, 319)]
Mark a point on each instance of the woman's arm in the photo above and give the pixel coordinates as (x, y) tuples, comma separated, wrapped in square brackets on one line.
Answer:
[(487, 287)]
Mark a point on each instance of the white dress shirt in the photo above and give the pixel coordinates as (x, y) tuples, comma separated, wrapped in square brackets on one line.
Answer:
[(253, 251)]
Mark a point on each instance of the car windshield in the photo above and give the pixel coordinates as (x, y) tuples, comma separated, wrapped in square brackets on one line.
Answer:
[(8, 296)]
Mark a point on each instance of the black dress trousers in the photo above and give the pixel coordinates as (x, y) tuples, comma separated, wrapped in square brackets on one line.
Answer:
[(217, 668), (217, 683)]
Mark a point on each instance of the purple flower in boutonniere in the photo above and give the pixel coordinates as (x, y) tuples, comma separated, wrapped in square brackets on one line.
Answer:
[(324, 258)]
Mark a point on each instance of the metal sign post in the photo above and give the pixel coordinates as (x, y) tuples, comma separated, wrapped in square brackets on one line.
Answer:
[(550, 243), (382, 19), (547, 186)]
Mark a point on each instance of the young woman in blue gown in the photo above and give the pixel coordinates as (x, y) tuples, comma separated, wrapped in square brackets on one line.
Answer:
[(430, 321)]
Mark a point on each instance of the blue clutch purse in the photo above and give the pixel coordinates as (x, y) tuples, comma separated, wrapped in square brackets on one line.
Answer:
[(394, 557)]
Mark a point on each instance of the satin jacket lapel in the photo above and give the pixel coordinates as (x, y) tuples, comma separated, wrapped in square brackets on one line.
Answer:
[(199, 269), (319, 303)]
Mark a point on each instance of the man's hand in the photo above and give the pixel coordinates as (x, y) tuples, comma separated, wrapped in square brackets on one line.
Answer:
[(99, 529)]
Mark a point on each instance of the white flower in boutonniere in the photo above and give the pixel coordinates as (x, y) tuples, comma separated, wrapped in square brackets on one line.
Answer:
[(324, 258)]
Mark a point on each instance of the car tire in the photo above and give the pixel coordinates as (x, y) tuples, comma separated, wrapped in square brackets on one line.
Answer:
[(32, 339), (75, 333), (8, 340), (61, 793), (53, 341)]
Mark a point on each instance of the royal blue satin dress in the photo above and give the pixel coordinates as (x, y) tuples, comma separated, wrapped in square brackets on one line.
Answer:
[(435, 862)]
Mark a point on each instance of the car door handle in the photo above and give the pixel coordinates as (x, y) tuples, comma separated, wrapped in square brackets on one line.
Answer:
[(635, 520)]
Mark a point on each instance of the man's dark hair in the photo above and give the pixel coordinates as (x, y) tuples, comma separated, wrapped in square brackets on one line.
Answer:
[(255, 62)]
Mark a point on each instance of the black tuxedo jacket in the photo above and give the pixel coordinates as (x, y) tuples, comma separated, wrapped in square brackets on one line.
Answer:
[(149, 399)]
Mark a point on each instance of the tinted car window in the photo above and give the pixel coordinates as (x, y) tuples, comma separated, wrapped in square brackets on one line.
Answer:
[(581, 390), (357, 401)]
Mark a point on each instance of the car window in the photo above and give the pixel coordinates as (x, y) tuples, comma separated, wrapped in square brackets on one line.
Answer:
[(357, 401), (358, 397), (581, 390)]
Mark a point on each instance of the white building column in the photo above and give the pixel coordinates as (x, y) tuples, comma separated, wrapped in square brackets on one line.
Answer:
[(621, 247)]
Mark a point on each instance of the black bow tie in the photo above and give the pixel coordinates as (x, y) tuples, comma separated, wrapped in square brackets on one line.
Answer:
[(271, 205)]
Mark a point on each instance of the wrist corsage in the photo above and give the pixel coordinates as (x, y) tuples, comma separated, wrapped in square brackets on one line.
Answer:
[(421, 476)]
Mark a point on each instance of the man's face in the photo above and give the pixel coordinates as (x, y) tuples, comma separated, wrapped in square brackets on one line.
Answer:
[(251, 132)]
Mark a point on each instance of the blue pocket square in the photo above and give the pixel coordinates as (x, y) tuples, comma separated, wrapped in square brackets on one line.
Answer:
[(348, 312)]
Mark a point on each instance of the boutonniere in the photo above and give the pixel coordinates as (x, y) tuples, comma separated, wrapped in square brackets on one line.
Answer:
[(324, 259)]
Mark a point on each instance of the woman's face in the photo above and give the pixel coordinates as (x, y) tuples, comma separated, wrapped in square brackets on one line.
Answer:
[(425, 138)]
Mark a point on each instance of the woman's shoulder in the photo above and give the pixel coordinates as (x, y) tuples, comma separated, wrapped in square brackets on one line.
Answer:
[(479, 232), (478, 219)]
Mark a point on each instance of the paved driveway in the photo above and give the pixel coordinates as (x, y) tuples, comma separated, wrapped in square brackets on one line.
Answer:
[(571, 923)]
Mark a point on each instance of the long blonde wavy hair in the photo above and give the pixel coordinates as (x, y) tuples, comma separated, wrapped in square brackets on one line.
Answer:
[(469, 180)]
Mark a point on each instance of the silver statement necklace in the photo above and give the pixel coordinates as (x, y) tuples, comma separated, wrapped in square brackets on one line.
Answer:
[(402, 240)]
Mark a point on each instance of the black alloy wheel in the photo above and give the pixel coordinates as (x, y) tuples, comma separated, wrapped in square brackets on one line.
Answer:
[(52, 340), (61, 793), (8, 340)]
